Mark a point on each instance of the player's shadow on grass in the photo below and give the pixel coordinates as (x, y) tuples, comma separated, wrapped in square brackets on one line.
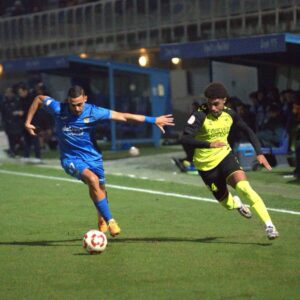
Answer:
[(207, 240), (74, 242), (49, 243)]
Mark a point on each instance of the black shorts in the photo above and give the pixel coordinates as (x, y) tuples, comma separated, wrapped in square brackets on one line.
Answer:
[(215, 178)]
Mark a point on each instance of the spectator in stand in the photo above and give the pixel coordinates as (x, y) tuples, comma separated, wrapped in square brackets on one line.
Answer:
[(12, 121), (237, 136), (18, 8), (29, 140), (273, 95), (271, 131), (286, 102), (45, 121), (294, 130), (259, 108), (1, 104)]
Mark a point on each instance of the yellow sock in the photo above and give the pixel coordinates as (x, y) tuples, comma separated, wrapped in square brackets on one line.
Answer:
[(245, 191), (229, 202)]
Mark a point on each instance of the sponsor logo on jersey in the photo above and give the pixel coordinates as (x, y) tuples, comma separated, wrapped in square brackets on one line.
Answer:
[(72, 130), (86, 120)]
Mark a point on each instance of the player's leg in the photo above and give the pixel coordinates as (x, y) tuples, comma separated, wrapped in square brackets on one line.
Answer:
[(96, 183), (234, 202), (98, 195), (228, 166), (102, 225), (238, 180), (216, 182)]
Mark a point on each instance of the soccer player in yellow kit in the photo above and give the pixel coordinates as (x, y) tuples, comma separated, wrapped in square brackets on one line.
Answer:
[(207, 130)]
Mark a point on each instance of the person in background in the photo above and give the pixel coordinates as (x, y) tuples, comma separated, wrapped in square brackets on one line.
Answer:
[(294, 129), (259, 107), (45, 120), (238, 136), (271, 131), (12, 119), (29, 140)]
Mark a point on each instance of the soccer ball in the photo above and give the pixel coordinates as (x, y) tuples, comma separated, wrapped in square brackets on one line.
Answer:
[(94, 241), (134, 151)]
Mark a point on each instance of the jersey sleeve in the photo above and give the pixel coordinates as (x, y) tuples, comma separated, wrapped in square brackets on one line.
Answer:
[(101, 113), (51, 105), (191, 128), (240, 124)]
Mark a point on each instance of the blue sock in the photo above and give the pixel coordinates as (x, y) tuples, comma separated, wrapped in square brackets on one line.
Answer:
[(103, 208)]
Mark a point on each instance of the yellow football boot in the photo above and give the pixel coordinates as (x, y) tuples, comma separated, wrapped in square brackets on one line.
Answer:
[(102, 225), (113, 228)]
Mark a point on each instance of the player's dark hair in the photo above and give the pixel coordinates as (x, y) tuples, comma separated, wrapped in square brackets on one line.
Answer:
[(76, 91), (215, 90)]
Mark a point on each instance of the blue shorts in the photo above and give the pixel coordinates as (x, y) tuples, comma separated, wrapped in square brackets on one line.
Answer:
[(75, 167)]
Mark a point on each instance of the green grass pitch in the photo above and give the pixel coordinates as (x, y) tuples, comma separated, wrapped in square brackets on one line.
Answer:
[(169, 248)]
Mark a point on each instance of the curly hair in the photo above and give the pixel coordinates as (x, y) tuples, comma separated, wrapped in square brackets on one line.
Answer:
[(215, 90)]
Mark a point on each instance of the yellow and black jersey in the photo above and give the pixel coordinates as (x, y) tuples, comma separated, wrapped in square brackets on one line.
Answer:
[(202, 128)]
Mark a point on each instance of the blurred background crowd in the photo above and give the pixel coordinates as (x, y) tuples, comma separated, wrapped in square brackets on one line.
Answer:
[(250, 46), (275, 118), (273, 115), (14, 105)]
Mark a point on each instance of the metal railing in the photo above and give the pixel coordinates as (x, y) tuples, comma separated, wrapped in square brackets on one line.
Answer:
[(114, 25)]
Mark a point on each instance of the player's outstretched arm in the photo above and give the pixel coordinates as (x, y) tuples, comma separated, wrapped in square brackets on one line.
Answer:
[(31, 112), (160, 121), (263, 161)]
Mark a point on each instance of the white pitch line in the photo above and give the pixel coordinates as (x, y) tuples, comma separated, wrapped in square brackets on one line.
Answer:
[(127, 188)]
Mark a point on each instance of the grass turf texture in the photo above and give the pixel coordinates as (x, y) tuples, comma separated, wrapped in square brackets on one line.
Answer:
[(170, 248), (146, 150)]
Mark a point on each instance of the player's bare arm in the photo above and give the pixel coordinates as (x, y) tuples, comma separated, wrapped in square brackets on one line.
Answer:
[(217, 144), (263, 161), (160, 122), (36, 104)]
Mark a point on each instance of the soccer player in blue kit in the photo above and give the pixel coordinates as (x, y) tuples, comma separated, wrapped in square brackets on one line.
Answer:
[(74, 122)]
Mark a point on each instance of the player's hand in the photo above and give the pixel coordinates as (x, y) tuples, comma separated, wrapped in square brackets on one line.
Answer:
[(217, 144), (30, 128), (165, 120), (263, 161)]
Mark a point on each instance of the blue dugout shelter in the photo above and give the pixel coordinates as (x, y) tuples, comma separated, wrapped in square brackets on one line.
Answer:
[(118, 86)]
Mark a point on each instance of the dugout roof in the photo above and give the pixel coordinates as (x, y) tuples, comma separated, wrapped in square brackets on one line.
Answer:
[(65, 62), (281, 48)]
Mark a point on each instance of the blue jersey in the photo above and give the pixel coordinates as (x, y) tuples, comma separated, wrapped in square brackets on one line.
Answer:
[(74, 132)]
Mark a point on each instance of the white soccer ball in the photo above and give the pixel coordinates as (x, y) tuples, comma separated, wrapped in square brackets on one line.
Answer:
[(94, 241), (134, 151)]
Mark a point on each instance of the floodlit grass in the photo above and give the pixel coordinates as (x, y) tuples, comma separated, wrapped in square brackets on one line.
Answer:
[(170, 248)]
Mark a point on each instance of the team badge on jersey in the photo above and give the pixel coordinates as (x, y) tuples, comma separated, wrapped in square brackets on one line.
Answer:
[(191, 120), (86, 120)]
